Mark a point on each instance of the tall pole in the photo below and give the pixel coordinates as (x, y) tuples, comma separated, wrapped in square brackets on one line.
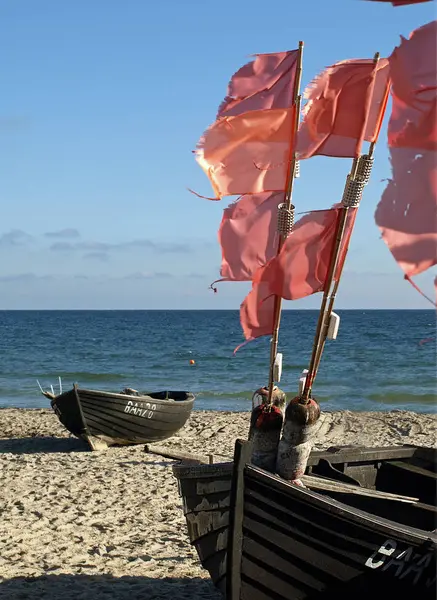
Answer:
[(287, 207), (324, 332), (356, 180), (341, 226)]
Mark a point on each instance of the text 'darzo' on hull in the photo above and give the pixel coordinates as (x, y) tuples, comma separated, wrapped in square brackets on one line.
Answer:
[(106, 418), (354, 528)]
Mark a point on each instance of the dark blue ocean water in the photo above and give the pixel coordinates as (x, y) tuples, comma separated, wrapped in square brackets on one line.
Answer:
[(381, 359)]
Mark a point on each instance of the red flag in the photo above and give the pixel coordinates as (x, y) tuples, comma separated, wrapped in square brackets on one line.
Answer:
[(401, 2), (300, 269), (257, 312), (407, 212), (302, 265), (345, 106), (248, 235), (413, 71), (266, 82), (249, 153)]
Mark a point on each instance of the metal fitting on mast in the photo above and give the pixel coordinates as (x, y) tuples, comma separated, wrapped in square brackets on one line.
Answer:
[(353, 192), (285, 219), (364, 168), (297, 169), (355, 183)]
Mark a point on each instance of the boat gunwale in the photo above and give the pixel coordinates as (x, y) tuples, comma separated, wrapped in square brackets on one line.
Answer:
[(335, 455), (185, 471), (118, 396), (337, 507)]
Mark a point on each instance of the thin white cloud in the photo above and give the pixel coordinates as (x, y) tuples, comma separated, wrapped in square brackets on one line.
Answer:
[(99, 256), (15, 237), (24, 277), (90, 246), (69, 233), (139, 275)]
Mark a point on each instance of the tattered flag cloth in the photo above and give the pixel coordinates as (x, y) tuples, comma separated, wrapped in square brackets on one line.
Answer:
[(248, 235), (301, 267), (345, 107), (257, 312), (407, 212), (401, 2), (249, 153), (247, 149), (266, 82), (299, 270)]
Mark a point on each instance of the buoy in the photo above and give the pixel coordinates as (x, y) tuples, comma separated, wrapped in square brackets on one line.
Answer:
[(192, 362), (261, 396), (265, 427), (297, 438)]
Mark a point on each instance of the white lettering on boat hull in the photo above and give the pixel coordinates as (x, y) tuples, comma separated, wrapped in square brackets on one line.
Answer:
[(142, 409), (405, 564)]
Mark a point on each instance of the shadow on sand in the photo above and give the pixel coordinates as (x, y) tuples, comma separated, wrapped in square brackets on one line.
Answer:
[(107, 587), (46, 445)]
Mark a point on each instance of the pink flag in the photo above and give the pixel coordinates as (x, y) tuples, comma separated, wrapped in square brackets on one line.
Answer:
[(249, 153), (302, 265), (402, 2), (413, 71), (345, 107), (257, 312), (298, 271), (248, 235), (266, 82), (407, 212)]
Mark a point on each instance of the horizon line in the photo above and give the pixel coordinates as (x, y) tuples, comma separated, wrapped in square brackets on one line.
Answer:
[(187, 309)]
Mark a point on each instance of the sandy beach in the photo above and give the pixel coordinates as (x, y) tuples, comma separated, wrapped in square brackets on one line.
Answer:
[(106, 525)]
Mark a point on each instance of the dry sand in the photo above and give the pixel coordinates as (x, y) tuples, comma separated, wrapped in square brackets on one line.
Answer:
[(109, 525)]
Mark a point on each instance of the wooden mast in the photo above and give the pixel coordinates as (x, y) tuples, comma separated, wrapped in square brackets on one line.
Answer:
[(360, 173), (287, 207)]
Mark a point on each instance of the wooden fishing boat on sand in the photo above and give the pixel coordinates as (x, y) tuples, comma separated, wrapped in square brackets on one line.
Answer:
[(282, 522), (105, 418), (364, 523)]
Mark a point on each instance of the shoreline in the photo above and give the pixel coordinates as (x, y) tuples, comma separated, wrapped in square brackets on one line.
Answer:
[(379, 427), (110, 525)]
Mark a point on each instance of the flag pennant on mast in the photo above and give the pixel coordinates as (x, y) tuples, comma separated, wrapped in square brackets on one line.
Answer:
[(298, 271), (401, 2), (257, 312), (302, 265), (247, 149), (249, 153), (248, 235), (345, 107), (267, 82), (407, 211)]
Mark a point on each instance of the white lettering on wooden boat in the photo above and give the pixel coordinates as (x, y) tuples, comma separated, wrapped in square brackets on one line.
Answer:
[(402, 563), (142, 409)]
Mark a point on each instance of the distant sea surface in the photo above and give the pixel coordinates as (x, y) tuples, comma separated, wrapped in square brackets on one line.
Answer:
[(381, 360)]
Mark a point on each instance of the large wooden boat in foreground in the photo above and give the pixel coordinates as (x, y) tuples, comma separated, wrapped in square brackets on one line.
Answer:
[(105, 418), (364, 523)]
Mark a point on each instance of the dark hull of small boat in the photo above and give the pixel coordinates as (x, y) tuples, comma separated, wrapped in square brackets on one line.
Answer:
[(104, 418), (262, 538)]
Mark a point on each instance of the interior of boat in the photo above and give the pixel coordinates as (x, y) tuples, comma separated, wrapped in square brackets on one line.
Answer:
[(404, 484), (164, 395)]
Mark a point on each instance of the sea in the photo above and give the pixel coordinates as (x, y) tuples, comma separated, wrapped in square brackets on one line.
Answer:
[(381, 360)]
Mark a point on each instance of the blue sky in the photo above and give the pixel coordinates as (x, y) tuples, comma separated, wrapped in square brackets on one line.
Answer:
[(102, 102)]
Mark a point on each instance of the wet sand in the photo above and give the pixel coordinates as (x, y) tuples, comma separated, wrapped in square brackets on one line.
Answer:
[(109, 525)]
